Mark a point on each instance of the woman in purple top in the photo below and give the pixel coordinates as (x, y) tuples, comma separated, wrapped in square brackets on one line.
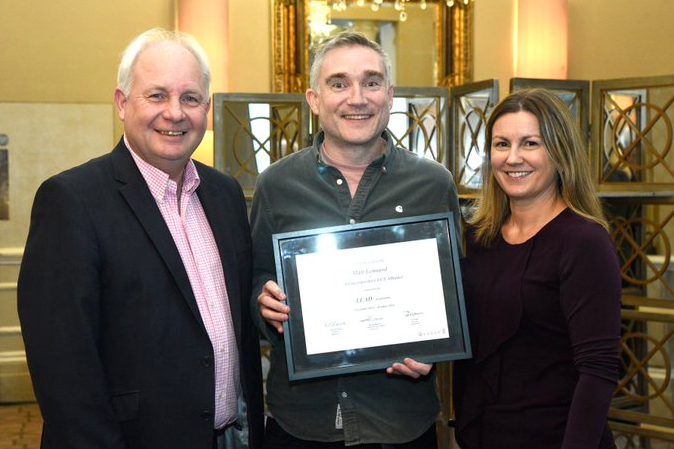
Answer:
[(542, 287)]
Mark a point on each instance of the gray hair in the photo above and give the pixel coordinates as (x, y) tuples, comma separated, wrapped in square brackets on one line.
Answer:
[(345, 39), (155, 36)]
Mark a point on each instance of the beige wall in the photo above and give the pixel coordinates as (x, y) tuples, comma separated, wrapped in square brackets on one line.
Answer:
[(607, 39), (250, 46), (616, 39), (67, 51), (492, 41)]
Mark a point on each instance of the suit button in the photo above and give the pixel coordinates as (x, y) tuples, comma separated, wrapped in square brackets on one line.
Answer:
[(207, 361), (206, 415)]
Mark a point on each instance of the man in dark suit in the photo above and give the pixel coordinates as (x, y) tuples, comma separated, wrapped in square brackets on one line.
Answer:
[(133, 291)]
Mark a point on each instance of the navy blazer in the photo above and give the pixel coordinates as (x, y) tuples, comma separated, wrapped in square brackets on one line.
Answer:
[(116, 347)]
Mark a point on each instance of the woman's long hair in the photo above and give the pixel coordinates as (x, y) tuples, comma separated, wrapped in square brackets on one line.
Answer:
[(566, 150)]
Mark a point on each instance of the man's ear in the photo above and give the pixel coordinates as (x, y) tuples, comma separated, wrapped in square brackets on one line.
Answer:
[(312, 100), (120, 102)]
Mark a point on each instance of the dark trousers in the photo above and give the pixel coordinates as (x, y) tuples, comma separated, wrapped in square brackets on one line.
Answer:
[(277, 438)]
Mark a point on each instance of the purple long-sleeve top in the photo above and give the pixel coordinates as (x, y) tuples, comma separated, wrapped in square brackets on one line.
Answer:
[(544, 319)]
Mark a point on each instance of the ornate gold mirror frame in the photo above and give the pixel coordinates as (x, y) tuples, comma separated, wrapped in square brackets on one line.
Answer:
[(452, 62)]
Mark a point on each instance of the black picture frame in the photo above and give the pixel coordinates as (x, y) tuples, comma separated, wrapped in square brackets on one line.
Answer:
[(452, 345)]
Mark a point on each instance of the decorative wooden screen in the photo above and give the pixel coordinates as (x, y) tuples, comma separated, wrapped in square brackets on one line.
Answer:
[(643, 411), (254, 130), (419, 122), (634, 170), (471, 105), (632, 135)]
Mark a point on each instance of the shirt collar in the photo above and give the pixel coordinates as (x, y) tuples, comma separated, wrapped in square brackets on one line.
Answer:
[(320, 137), (159, 182)]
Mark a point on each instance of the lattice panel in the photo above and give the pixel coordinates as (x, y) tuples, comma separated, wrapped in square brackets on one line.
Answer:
[(641, 235), (419, 122), (643, 405), (643, 401), (253, 131), (632, 135), (471, 106)]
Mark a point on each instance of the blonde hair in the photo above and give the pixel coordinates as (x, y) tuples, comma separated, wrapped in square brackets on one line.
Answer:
[(566, 150)]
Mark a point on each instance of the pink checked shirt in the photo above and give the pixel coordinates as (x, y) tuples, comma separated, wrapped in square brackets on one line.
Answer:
[(194, 239)]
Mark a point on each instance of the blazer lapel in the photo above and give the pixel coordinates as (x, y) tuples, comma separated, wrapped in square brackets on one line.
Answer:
[(136, 193)]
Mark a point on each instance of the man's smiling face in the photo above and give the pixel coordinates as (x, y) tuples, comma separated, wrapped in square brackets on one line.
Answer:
[(165, 113), (352, 100)]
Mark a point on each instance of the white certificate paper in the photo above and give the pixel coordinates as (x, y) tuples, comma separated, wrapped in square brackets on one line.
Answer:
[(372, 296)]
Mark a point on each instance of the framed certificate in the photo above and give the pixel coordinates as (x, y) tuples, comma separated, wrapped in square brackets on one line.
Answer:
[(366, 295)]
